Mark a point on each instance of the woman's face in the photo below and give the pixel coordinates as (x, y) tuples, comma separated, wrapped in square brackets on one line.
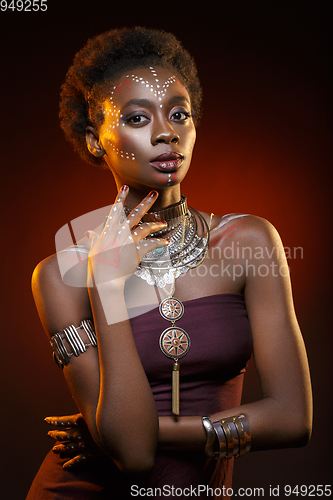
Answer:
[(148, 133)]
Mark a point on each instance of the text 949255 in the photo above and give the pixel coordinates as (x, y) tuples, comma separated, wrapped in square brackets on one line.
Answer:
[(23, 5)]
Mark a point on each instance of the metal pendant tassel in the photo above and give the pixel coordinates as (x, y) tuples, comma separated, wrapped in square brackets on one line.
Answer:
[(174, 343), (175, 388)]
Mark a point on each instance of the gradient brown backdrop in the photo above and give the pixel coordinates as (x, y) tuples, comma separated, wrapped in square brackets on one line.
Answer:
[(263, 148)]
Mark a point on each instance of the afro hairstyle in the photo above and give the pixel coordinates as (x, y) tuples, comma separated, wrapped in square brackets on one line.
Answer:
[(102, 60)]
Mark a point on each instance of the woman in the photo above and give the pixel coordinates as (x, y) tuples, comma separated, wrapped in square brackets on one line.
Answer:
[(163, 289)]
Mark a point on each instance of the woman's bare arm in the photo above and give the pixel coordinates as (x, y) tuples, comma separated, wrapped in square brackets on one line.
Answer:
[(283, 417), (109, 385)]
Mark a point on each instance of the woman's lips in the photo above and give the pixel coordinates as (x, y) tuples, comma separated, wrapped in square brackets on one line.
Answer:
[(167, 162)]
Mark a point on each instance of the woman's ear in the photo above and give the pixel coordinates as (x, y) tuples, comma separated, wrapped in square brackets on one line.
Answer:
[(93, 144)]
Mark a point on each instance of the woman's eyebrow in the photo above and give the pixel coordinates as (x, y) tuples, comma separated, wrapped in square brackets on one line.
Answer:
[(178, 99), (138, 102)]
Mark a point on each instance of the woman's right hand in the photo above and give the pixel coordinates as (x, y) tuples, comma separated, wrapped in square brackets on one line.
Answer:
[(116, 252), (74, 441)]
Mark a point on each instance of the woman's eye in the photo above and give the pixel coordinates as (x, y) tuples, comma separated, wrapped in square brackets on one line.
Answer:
[(137, 119), (180, 115)]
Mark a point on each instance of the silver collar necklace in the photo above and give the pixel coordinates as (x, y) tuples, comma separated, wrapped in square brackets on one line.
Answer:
[(173, 214), (187, 249)]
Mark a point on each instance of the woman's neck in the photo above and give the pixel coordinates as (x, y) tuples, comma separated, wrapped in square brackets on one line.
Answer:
[(166, 197)]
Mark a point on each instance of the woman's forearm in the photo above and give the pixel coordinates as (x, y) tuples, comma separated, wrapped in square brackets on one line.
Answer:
[(126, 415), (272, 425)]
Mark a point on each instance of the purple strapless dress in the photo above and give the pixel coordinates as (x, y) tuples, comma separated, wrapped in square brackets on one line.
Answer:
[(211, 380)]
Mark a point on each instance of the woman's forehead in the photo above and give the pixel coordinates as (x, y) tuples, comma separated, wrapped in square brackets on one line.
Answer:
[(151, 82)]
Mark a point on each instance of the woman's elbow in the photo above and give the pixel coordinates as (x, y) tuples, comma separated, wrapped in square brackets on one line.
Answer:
[(140, 464), (304, 432), (131, 457), (133, 463), (302, 428)]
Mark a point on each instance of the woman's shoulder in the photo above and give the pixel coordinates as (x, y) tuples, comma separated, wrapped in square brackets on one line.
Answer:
[(46, 271), (59, 286), (62, 269), (250, 229)]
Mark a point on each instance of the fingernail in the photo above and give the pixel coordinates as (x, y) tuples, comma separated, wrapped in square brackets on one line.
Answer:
[(124, 188), (167, 239), (153, 194), (164, 222)]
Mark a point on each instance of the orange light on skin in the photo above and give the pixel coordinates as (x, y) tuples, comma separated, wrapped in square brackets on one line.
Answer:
[(110, 131)]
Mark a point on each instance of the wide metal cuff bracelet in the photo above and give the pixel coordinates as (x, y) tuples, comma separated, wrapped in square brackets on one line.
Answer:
[(71, 334), (238, 434)]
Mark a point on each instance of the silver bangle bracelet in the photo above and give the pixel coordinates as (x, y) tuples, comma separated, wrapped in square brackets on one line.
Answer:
[(71, 334), (221, 437), (235, 437), (228, 435), (238, 435), (247, 432), (209, 448)]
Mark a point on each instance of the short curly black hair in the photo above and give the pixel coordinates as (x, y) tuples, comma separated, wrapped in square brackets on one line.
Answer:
[(104, 58)]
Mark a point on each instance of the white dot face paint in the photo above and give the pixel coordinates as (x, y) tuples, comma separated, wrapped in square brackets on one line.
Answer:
[(112, 121), (154, 88), (144, 104)]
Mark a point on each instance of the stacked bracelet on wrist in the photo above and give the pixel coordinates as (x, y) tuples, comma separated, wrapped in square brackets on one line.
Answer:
[(209, 448), (228, 437), (60, 354)]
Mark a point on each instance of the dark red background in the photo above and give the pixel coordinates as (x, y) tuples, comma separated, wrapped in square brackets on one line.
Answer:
[(263, 147)]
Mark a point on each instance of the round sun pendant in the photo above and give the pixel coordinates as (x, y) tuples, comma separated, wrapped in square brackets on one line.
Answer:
[(171, 309), (175, 342)]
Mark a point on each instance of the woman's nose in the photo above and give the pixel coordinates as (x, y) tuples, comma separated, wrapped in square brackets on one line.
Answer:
[(163, 132)]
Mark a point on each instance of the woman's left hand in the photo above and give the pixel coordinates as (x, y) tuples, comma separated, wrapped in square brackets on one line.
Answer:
[(74, 440)]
